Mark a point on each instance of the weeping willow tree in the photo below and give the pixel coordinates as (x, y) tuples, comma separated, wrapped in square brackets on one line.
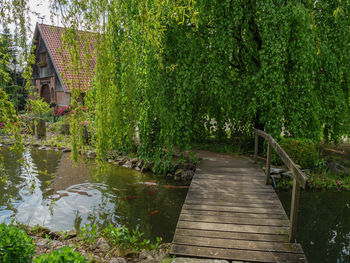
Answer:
[(166, 70)]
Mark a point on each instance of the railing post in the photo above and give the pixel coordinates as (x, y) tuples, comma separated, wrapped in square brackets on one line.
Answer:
[(268, 163), (256, 147), (294, 210)]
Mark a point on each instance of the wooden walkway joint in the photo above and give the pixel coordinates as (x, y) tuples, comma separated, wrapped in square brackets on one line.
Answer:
[(231, 213)]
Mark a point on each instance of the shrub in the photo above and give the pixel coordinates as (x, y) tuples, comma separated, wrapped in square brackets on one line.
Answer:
[(63, 255), (63, 111), (15, 245), (302, 151), (124, 238)]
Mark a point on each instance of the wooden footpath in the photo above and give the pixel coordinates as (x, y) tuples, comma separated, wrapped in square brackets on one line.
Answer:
[(230, 213)]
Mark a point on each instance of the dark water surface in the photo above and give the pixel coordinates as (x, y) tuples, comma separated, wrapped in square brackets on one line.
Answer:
[(54, 192), (323, 225)]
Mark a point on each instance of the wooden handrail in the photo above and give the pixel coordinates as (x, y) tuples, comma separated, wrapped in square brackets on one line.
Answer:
[(299, 178)]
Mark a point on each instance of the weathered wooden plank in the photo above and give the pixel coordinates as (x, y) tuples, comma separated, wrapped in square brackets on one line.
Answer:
[(218, 173), (219, 190), (253, 200), (231, 191), (231, 203), (233, 172), (229, 168), (234, 227), (290, 258), (247, 179), (229, 178), (232, 235), (234, 184), (237, 254), (258, 187), (233, 195), (253, 210), (234, 214), (238, 244), (234, 220), (221, 253)]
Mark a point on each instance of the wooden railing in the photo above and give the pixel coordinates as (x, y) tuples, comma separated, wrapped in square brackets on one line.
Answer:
[(299, 178)]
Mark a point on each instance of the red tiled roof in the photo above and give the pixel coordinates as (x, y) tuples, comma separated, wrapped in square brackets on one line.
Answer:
[(53, 38)]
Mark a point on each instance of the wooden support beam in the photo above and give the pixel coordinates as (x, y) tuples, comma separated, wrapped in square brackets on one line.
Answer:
[(268, 163), (256, 147), (294, 211)]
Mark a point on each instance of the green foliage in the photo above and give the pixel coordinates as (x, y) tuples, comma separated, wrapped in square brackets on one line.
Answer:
[(124, 238), (89, 233), (63, 255), (178, 71), (320, 180), (39, 107), (15, 245), (13, 15), (302, 151), (117, 236)]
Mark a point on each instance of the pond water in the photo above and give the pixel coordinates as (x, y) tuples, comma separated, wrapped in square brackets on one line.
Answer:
[(54, 192), (323, 225)]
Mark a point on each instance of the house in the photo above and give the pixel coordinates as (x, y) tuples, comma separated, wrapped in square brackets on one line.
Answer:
[(52, 77)]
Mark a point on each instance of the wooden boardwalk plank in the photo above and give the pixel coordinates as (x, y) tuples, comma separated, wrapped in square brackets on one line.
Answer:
[(230, 213), (232, 235), (256, 201), (234, 220), (232, 196), (253, 210), (234, 214), (238, 244), (237, 254), (234, 227), (235, 204)]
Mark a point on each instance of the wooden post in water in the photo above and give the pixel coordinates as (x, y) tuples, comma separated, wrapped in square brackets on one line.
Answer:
[(294, 210), (256, 147), (268, 163)]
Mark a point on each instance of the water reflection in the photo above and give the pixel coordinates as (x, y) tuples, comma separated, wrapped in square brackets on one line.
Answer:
[(50, 190), (323, 225)]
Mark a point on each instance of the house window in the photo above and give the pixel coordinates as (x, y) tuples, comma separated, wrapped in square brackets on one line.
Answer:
[(43, 57)]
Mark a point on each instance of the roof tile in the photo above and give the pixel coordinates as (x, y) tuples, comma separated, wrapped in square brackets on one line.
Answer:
[(53, 38)]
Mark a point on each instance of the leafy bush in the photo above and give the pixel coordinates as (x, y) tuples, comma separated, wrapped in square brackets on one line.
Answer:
[(63, 111), (302, 151), (89, 233), (124, 238), (63, 255), (15, 245)]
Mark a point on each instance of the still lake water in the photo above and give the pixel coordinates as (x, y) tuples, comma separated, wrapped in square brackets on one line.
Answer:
[(54, 192), (323, 225)]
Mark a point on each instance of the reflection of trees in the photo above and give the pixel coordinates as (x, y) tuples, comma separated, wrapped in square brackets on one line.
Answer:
[(46, 164), (12, 167), (113, 189), (69, 173), (324, 226)]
